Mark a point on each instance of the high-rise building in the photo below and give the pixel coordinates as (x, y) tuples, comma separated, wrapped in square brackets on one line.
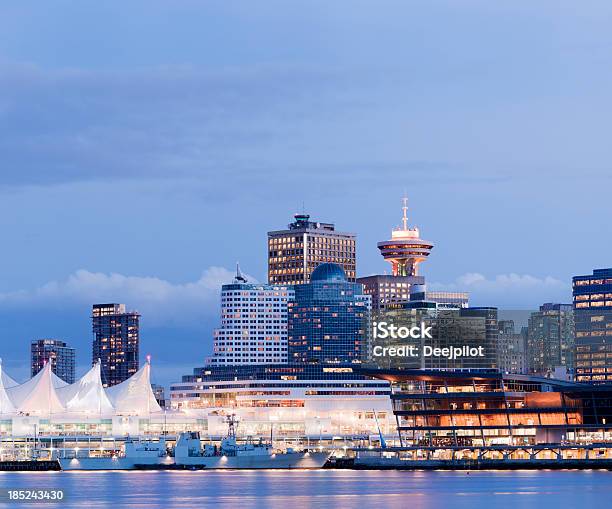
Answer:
[(405, 251), (58, 353), (511, 348), (253, 324), (116, 339), (294, 253), (488, 315), (593, 322), (550, 339), (329, 319)]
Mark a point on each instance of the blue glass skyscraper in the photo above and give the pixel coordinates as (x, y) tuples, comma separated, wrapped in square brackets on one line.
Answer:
[(328, 319)]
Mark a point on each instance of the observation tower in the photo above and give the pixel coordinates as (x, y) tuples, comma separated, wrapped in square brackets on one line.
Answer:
[(405, 250)]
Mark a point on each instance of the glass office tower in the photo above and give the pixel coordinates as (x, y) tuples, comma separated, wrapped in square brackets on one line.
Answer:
[(328, 319), (294, 253), (593, 322)]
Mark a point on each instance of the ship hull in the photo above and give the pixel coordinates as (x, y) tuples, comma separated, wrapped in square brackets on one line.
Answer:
[(112, 463), (312, 460)]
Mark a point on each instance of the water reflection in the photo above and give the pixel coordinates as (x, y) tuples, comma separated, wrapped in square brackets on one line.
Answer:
[(317, 489)]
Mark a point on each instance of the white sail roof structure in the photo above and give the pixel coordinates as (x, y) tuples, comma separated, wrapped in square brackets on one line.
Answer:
[(46, 394), (135, 396), (38, 395), (87, 394), (6, 405), (7, 381)]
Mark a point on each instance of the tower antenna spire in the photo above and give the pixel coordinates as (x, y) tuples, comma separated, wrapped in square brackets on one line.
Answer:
[(239, 277), (405, 212)]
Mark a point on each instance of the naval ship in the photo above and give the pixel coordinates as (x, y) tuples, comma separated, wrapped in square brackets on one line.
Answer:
[(188, 452)]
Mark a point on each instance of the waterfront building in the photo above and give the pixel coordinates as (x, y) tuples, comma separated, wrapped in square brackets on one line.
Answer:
[(116, 341), (550, 339), (511, 348), (47, 406), (304, 401), (55, 352), (293, 254), (328, 319), (253, 323), (464, 410), (592, 301)]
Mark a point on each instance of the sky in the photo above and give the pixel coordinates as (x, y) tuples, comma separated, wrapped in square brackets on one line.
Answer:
[(146, 147)]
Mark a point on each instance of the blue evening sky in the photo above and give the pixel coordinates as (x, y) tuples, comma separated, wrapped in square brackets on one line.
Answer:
[(146, 146)]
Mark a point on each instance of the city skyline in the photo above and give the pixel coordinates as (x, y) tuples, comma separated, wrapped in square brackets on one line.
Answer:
[(201, 336), (140, 168)]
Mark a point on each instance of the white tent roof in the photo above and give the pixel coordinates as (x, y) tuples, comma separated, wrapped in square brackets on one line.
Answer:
[(87, 394), (6, 405), (46, 394), (135, 396), (38, 395), (7, 381)]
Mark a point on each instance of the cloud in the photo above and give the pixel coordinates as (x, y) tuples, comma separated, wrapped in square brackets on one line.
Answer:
[(61, 126), (69, 125), (161, 302), (515, 291)]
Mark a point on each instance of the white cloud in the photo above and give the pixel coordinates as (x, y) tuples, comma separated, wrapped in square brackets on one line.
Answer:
[(516, 291), (160, 302)]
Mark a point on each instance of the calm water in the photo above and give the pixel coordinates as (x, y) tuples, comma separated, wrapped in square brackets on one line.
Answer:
[(334, 489)]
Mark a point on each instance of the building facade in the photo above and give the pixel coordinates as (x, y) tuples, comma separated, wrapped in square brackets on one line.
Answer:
[(511, 348), (328, 319), (592, 296), (388, 291), (253, 324), (550, 339), (58, 353), (442, 299), (116, 342), (293, 254)]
